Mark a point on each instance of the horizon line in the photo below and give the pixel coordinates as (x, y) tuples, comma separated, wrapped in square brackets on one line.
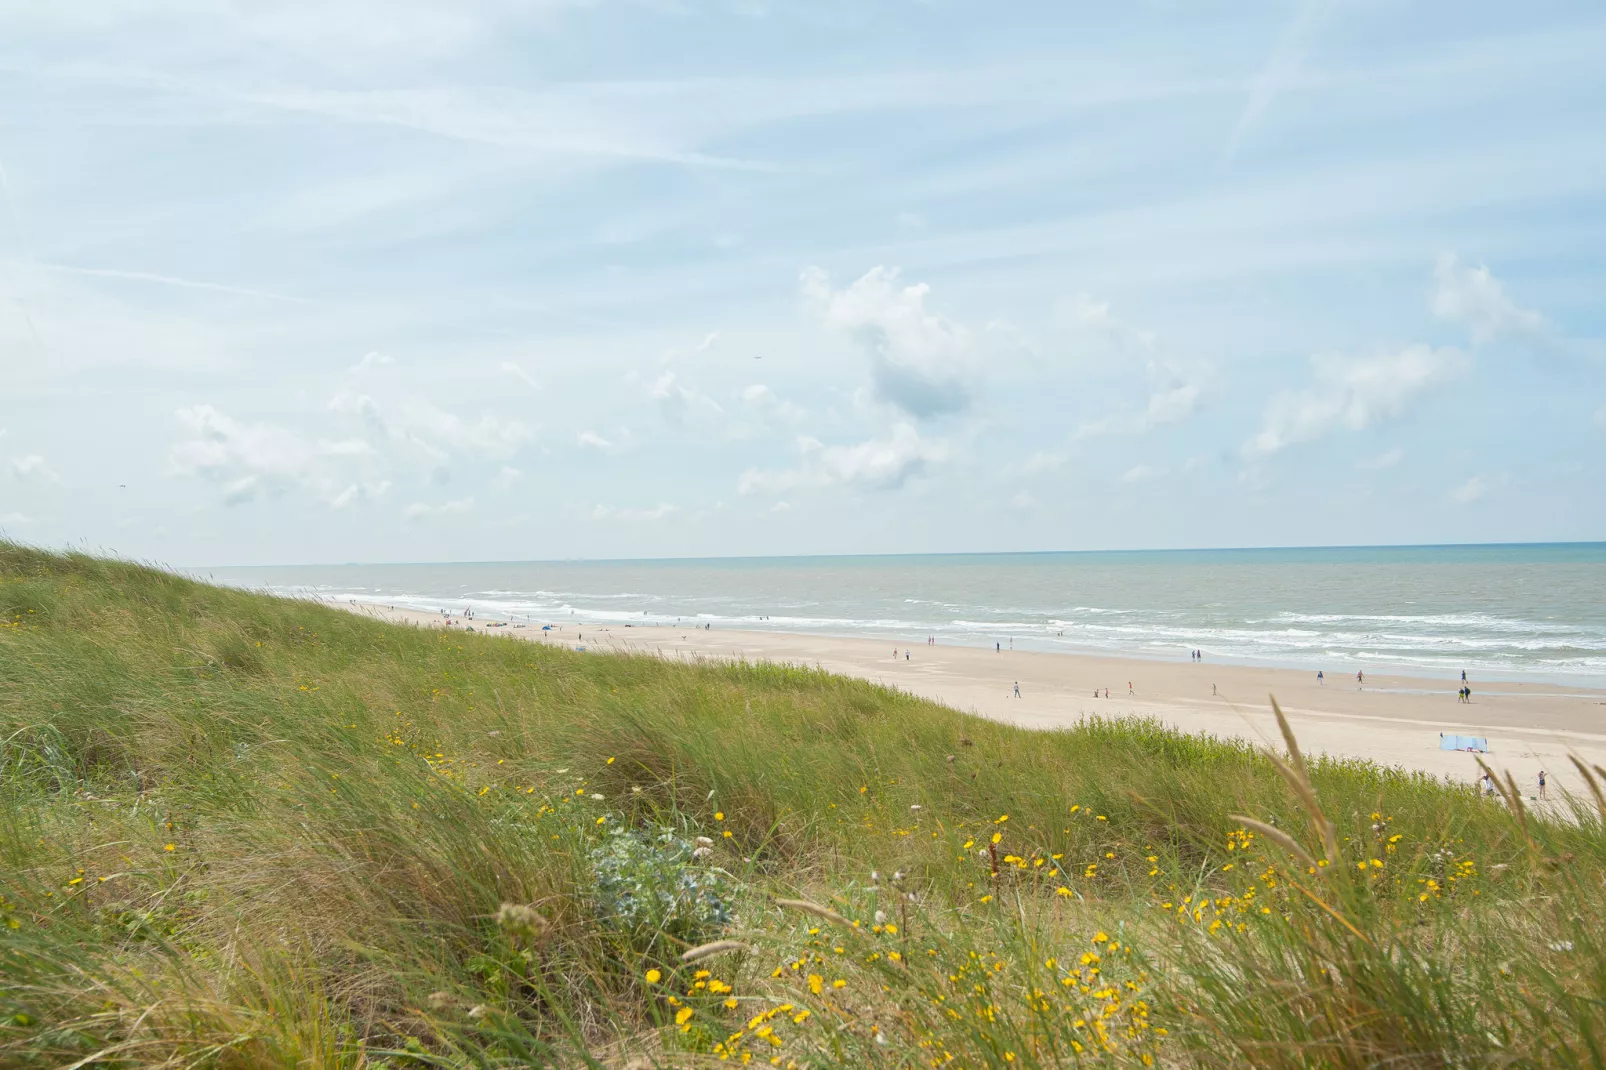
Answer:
[(927, 554)]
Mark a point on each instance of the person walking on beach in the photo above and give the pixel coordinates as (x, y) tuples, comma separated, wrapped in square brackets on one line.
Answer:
[(1360, 677), (1129, 688), (1542, 792), (1319, 679), (1017, 689)]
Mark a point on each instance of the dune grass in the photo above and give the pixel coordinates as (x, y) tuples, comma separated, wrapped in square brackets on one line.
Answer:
[(245, 831)]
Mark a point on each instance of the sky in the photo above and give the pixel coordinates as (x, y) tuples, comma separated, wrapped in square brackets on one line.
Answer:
[(382, 280)]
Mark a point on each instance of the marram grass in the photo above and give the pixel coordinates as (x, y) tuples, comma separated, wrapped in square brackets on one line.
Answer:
[(240, 831)]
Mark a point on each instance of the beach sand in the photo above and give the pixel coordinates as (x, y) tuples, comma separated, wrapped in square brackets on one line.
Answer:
[(1391, 720)]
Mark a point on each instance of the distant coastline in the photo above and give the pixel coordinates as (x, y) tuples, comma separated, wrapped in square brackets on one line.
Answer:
[(1529, 611)]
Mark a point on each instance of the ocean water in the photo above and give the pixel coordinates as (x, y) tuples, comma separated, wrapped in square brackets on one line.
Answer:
[(1506, 612)]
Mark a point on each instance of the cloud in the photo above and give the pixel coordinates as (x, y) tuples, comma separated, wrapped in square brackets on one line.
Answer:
[(419, 510), (507, 367), (770, 408), (1171, 404), (506, 478), (1167, 404), (250, 459), (1085, 313), (1383, 460), (1470, 491), (593, 440), (680, 403), (1138, 473), (1037, 463), (32, 467), (1475, 299), (1353, 393), (169, 280), (1174, 392), (432, 431), (370, 361), (920, 362), (16, 518), (354, 404), (661, 511), (1280, 69), (674, 352), (876, 464)]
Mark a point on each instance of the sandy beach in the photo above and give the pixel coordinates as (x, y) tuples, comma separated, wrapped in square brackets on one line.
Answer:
[(1389, 719)]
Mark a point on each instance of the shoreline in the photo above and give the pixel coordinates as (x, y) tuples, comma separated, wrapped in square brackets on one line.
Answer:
[(1389, 719)]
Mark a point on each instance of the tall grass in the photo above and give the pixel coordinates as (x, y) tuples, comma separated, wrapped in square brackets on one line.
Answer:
[(245, 831)]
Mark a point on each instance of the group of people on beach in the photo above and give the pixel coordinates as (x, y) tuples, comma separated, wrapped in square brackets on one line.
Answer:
[(1486, 785)]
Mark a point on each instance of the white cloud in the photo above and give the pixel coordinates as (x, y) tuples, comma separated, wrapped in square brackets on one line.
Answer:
[(354, 404), (247, 459), (1138, 473), (33, 467), (876, 464), (418, 510), (432, 431), (510, 368), (1041, 461), (1353, 393), (1087, 315), (371, 361), (1171, 401), (1171, 404), (593, 440), (1475, 299), (770, 408), (680, 403), (919, 361), (506, 478), (16, 518), (1174, 392), (661, 511), (488, 436), (675, 352), (1383, 461), (1470, 491)]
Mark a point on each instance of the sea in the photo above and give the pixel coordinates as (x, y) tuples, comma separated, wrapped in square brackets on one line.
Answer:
[(1534, 611)]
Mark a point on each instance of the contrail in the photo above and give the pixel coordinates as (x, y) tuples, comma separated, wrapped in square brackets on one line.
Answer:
[(173, 280), (1281, 67)]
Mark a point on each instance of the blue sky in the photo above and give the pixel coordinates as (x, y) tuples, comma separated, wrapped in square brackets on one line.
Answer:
[(402, 281)]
